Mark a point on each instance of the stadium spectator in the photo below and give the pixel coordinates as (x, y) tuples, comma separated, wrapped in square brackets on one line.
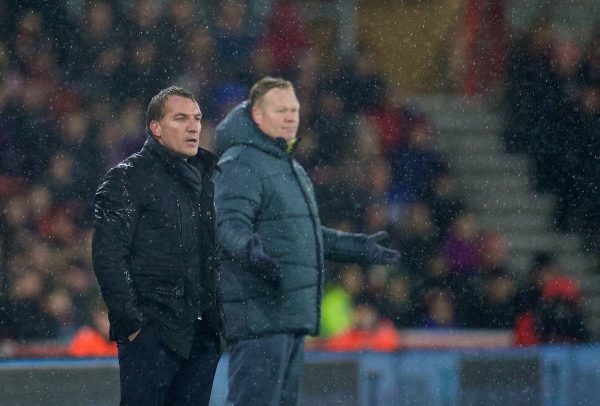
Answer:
[(368, 331), (416, 238), (27, 317), (285, 37), (439, 310), (333, 129), (444, 202), (556, 318), (559, 317), (482, 45), (58, 304), (339, 300), (397, 304), (99, 44), (200, 69), (461, 246), (591, 65), (179, 28), (80, 283), (549, 307), (309, 78), (437, 277), (364, 90), (415, 165), (497, 309), (493, 254), (393, 119), (577, 189), (233, 41), (530, 88), (543, 269), (92, 340)]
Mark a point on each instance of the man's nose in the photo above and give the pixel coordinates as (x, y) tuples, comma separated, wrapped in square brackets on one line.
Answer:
[(193, 126)]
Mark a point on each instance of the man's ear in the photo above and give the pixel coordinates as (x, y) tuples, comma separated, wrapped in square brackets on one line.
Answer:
[(155, 128), (256, 114)]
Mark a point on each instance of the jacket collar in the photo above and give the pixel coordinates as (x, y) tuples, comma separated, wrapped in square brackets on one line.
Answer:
[(275, 146), (208, 159), (204, 157), (238, 128)]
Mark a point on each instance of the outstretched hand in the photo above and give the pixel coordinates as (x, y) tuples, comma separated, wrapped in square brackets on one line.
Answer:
[(378, 254), (265, 266)]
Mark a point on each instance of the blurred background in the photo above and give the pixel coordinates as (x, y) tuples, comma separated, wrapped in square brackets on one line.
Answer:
[(468, 129)]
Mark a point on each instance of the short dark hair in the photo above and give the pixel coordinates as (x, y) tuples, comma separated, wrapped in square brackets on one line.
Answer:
[(260, 88), (156, 107)]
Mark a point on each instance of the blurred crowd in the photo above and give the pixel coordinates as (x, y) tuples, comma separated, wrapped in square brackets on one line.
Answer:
[(553, 96), (76, 78)]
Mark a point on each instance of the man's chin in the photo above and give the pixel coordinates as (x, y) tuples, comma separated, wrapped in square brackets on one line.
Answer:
[(188, 152)]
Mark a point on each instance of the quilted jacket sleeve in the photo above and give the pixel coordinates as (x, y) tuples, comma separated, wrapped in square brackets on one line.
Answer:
[(115, 217), (344, 247), (237, 199)]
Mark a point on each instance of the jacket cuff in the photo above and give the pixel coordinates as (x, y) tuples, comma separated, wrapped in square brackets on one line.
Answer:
[(346, 247), (126, 326)]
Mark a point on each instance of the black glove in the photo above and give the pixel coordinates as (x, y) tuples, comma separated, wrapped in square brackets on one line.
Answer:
[(265, 266), (377, 254)]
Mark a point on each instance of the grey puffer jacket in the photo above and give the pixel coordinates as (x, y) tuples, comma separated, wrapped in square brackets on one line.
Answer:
[(262, 189)]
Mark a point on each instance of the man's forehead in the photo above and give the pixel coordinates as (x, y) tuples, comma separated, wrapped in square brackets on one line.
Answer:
[(179, 104), (281, 96)]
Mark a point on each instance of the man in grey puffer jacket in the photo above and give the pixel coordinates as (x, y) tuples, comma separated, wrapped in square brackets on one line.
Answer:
[(273, 246)]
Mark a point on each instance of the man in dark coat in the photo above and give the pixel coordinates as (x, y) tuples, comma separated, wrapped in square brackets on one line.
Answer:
[(273, 245), (154, 256)]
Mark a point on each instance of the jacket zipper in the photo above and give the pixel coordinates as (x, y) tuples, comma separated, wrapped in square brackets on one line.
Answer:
[(180, 224), (320, 249)]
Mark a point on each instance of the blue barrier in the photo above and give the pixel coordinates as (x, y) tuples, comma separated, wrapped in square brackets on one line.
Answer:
[(552, 376)]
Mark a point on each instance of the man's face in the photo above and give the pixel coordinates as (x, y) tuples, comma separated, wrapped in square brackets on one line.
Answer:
[(277, 114), (179, 128)]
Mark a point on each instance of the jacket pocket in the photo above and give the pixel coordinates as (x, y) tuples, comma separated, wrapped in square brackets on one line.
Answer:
[(162, 299), (160, 286)]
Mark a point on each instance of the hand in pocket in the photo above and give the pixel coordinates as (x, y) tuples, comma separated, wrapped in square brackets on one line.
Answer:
[(133, 335)]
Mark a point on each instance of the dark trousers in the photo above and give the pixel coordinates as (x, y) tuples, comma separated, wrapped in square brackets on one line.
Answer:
[(152, 374), (265, 371)]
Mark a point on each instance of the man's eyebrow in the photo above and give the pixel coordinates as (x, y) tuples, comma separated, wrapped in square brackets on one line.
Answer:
[(180, 114)]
